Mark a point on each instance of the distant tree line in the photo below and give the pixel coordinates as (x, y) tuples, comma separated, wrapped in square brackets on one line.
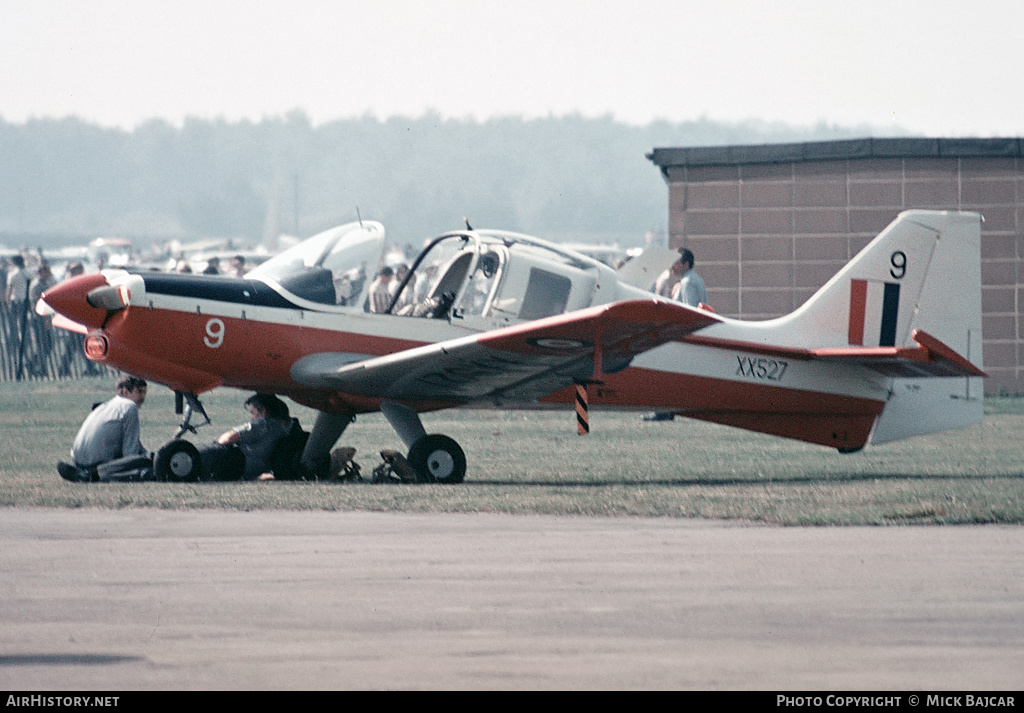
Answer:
[(558, 177)]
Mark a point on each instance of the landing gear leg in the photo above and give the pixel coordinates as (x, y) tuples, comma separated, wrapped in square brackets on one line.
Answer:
[(327, 429), (192, 407), (435, 458)]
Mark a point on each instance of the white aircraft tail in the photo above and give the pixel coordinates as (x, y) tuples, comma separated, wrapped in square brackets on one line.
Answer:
[(921, 274)]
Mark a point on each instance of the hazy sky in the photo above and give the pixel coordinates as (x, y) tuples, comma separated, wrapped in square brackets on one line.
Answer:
[(936, 67)]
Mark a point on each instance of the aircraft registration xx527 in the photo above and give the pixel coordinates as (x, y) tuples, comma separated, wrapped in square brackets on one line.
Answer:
[(889, 348)]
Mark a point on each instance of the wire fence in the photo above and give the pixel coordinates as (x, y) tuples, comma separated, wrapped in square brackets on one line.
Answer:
[(32, 349)]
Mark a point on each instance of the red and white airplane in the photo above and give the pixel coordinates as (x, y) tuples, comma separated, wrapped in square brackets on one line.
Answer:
[(889, 348)]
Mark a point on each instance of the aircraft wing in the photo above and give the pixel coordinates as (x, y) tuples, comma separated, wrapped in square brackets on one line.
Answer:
[(524, 362)]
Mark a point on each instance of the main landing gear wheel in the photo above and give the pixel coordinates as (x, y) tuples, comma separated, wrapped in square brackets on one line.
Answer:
[(438, 459), (177, 461)]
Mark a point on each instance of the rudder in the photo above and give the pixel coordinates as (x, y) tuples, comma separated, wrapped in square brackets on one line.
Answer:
[(949, 309)]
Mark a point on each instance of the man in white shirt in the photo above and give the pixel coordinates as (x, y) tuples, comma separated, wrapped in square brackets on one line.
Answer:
[(109, 440), (690, 289), (380, 290), (18, 283)]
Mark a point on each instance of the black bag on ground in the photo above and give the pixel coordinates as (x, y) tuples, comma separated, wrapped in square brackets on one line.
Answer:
[(220, 462), (181, 461)]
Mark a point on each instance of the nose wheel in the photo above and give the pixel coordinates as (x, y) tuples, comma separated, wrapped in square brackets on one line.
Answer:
[(178, 461), (438, 459)]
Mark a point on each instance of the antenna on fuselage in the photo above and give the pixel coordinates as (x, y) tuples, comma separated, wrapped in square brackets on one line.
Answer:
[(359, 217), (468, 226)]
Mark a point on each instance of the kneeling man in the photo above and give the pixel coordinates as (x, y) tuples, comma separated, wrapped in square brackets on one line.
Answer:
[(108, 445)]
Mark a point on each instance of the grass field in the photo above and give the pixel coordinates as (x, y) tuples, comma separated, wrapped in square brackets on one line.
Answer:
[(533, 462)]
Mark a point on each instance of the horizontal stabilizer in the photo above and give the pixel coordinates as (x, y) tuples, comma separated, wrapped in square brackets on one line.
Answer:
[(929, 358)]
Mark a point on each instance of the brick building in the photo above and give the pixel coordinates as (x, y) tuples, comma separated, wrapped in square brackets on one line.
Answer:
[(770, 224)]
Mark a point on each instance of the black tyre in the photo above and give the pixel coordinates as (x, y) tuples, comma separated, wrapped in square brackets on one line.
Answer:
[(438, 459), (178, 461)]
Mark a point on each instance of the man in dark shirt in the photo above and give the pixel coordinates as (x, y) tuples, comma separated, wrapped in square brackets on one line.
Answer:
[(257, 439)]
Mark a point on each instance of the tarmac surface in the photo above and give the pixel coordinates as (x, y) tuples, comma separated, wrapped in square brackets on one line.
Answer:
[(141, 600)]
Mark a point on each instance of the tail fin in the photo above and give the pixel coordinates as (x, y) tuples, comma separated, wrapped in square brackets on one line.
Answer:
[(923, 272)]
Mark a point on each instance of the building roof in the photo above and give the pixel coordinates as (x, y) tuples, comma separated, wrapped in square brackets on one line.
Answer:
[(667, 158)]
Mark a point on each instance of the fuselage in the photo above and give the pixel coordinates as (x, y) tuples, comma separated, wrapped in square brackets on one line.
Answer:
[(497, 319), (194, 333)]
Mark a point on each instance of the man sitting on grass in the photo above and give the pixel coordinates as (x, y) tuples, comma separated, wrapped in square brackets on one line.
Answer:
[(244, 452), (108, 445)]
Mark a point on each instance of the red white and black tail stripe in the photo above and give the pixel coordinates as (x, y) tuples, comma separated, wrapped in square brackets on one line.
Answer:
[(874, 313)]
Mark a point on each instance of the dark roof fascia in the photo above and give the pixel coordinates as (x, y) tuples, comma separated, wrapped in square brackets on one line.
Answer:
[(666, 158)]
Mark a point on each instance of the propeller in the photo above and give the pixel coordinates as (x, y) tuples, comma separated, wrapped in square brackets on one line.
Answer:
[(109, 297), (118, 292)]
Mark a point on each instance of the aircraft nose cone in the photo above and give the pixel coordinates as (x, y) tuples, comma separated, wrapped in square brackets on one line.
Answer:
[(69, 299)]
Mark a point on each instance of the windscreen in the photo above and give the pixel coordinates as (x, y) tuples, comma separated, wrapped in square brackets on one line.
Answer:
[(329, 268)]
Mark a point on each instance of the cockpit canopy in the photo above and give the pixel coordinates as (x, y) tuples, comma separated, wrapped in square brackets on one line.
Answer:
[(329, 268), (495, 276)]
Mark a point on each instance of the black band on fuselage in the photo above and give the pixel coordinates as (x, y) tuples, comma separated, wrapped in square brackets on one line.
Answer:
[(212, 287)]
